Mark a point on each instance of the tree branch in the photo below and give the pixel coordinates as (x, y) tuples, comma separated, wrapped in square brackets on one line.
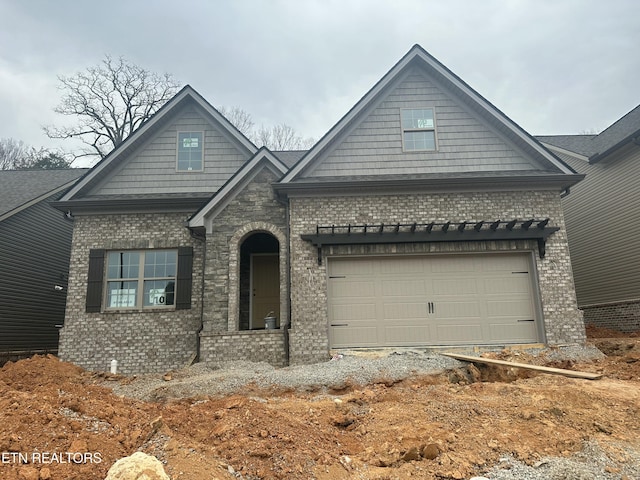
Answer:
[(109, 102)]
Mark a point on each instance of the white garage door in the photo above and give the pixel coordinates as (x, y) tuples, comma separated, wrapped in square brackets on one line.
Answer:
[(431, 300)]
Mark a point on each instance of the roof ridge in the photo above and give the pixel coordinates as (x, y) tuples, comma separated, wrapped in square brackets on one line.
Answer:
[(621, 119), (619, 133)]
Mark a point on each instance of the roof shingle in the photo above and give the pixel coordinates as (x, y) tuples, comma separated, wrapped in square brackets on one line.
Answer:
[(593, 146), (18, 187)]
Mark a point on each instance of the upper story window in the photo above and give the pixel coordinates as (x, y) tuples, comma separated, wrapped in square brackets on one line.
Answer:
[(144, 278), (190, 151), (418, 129)]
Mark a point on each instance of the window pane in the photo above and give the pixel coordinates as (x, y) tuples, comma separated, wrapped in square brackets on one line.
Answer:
[(171, 262), (160, 264), (125, 277), (121, 294), (159, 292), (425, 140), (150, 264), (123, 264), (417, 118), (190, 151)]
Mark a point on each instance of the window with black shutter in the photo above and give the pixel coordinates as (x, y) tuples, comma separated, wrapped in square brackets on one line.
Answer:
[(95, 280), (139, 279), (184, 278)]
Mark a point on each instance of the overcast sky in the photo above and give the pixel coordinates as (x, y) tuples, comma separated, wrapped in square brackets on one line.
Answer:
[(552, 66)]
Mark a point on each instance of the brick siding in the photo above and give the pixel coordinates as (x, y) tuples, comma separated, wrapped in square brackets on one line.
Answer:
[(141, 341), (251, 345), (309, 333), (621, 316), (254, 209), (155, 341)]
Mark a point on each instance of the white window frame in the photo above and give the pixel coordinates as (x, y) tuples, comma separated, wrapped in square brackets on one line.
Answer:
[(189, 132), (431, 128), (138, 296)]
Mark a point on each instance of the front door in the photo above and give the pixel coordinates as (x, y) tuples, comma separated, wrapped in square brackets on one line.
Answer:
[(265, 288)]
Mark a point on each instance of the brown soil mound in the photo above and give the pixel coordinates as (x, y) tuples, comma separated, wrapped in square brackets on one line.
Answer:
[(600, 332), (58, 422)]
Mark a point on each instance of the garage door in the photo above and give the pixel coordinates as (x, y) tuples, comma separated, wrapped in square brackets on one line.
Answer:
[(431, 300)]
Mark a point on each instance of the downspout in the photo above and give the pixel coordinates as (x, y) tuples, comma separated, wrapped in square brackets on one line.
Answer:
[(565, 192), (202, 239)]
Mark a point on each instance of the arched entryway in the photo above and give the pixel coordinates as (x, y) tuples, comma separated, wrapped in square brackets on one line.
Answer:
[(259, 280)]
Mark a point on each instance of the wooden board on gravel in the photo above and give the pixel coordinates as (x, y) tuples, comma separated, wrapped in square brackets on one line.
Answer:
[(556, 371)]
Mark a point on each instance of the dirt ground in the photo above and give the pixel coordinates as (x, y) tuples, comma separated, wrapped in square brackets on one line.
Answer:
[(60, 422)]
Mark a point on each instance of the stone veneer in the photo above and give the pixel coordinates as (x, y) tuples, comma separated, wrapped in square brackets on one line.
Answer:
[(621, 316), (254, 209), (309, 333), (142, 340)]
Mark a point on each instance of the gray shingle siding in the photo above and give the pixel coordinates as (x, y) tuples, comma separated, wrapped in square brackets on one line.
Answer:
[(465, 144), (152, 168)]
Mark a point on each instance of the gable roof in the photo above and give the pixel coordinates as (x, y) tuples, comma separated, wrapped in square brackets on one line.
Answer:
[(112, 160), (418, 56), (20, 189), (262, 158), (596, 147)]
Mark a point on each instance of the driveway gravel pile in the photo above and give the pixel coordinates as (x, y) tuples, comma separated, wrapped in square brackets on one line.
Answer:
[(343, 370)]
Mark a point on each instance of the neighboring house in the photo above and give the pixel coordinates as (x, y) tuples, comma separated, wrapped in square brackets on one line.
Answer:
[(35, 244), (424, 217), (602, 224)]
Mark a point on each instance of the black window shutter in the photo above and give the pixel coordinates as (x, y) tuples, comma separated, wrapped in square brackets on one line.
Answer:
[(184, 278), (95, 278)]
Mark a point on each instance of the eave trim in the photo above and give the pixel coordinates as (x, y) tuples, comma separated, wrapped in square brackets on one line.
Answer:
[(129, 205), (552, 181)]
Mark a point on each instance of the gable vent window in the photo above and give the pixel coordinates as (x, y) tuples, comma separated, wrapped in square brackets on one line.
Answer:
[(418, 129), (190, 150)]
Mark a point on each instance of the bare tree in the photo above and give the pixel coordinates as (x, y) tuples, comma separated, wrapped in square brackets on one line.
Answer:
[(277, 137), (240, 119), (11, 153), (281, 137), (589, 131), (16, 155), (109, 101)]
